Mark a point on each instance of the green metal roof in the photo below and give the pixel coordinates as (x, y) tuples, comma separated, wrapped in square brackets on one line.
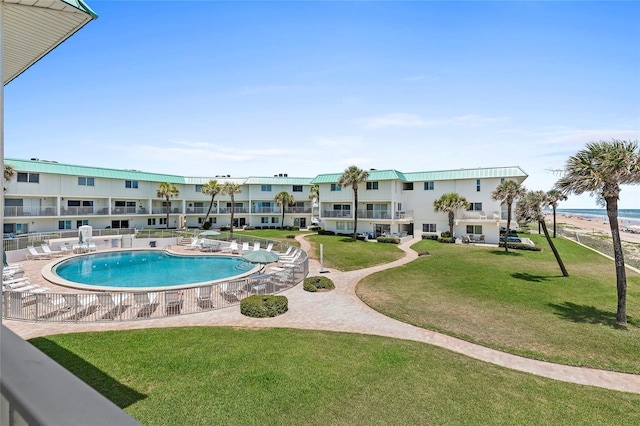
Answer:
[(493, 172), (80, 4), (42, 166), (278, 180), (376, 175)]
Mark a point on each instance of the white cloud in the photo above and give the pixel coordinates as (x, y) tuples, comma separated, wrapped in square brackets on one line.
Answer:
[(412, 120), (563, 136)]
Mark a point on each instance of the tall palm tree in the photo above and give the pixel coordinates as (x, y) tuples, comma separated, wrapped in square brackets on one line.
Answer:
[(553, 198), (529, 209), (167, 190), (231, 189), (600, 168), (449, 203), (284, 199), (9, 173), (211, 188), (352, 176), (508, 192), (314, 194)]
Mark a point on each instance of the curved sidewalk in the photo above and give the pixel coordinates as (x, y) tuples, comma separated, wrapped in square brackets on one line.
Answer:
[(341, 310)]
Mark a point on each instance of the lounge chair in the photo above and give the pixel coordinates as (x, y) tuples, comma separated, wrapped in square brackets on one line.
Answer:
[(49, 307), (232, 289), (145, 301), (35, 254), (245, 248), (173, 302), (54, 253), (79, 301), (112, 303), (193, 245), (481, 239), (92, 246), (203, 297), (269, 247), (286, 253), (256, 246), (65, 250), (472, 239), (231, 248)]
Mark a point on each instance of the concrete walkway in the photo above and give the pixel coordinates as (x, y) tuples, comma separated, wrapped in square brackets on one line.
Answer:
[(341, 310)]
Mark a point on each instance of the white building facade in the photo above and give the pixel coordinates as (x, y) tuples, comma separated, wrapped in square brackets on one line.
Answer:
[(48, 196)]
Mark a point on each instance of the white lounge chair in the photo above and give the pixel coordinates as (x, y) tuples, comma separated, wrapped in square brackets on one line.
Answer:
[(269, 247), (231, 248), (195, 244), (35, 254), (112, 303), (54, 253), (65, 250), (203, 297), (245, 247), (233, 289), (92, 246), (256, 246), (173, 301)]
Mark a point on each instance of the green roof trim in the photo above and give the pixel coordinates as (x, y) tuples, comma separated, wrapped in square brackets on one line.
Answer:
[(480, 173), (81, 5), (374, 175), (53, 167), (280, 180)]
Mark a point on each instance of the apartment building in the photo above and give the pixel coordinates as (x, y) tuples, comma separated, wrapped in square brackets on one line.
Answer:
[(47, 196)]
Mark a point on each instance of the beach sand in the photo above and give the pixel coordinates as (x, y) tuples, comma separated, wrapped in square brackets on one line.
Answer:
[(586, 225)]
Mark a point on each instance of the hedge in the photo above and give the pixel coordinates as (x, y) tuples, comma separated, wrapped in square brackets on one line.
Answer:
[(264, 306), (520, 246), (388, 240), (314, 284), (447, 240), (430, 237)]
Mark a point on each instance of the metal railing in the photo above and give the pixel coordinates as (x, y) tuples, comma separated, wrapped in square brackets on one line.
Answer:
[(337, 213), (82, 307), (22, 241), (29, 211), (603, 244), (482, 215)]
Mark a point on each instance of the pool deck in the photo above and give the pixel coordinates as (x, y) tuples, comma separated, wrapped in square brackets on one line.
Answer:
[(342, 311)]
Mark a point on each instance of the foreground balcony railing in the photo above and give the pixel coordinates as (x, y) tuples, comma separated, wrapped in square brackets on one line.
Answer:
[(484, 215), (29, 211), (298, 210), (266, 210), (227, 210), (337, 213)]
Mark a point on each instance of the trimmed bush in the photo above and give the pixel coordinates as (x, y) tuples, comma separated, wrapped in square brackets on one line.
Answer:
[(314, 284), (521, 246), (206, 225), (249, 228), (291, 236), (423, 253), (388, 240), (292, 228), (445, 234), (264, 306), (314, 228), (448, 240), (430, 237), (224, 228), (323, 232)]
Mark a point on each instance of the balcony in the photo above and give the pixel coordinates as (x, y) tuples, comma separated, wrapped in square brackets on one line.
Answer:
[(200, 210), (482, 215), (165, 210), (298, 210), (385, 214), (267, 210), (227, 210), (29, 211), (337, 213)]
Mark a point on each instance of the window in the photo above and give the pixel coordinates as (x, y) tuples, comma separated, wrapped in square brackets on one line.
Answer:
[(478, 185), (64, 224), (133, 184), (162, 221), (85, 181), (29, 177), (275, 220), (297, 188), (266, 188), (199, 188), (429, 185), (501, 181), (79, 223), (211, 220), (475, 207), (118, 224), (474, 229), (407, 186), (151, 221), (428, 227), (344, 226), (345, 207), (372, 185), (336, 187), (264, 220)]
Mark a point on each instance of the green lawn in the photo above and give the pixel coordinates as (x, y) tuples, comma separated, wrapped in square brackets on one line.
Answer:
[(344, 254), (216, 375), (518, 302), (275, 235)]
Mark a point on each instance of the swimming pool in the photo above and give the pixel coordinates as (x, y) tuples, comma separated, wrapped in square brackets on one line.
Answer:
[(144, 269)]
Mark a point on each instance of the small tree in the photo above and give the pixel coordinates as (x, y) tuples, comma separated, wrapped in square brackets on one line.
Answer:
[(231, 189), (284, 199), (9, 173), (314, 194), (600, 169), (508, 192), (352, 176), (529, 209), (449, 203), (211, 188), (167, 190), (553, 198)]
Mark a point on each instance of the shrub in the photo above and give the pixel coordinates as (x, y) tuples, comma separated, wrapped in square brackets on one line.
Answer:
[(206, 225), (388, 240), (264, 306), (291, 236), (292, 228), (430, 237), (225, 228), (249, 228), (521, 246), (258, 227), (445, 234), (315, 228), (323, 232), (447, 240), (314, 284)]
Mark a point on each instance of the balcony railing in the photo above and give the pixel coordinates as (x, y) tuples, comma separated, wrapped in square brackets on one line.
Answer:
[(227, 210), (298, 210), (484, 215), (165, 210), (200, 210), (29, 211), (266, 210), (337, 213)]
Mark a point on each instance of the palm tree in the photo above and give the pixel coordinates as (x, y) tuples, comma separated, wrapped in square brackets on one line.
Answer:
[(553, 198), (449, 203), (600, 168), (508, 192), (284, 199), (352, 176), (211, 188), (231, 189), (167, 190), (9, 173), (529, 209), (314, 194)]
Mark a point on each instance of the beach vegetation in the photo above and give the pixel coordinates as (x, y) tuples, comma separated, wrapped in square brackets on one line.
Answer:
[(529, 209), (449, 203), (599, 169), (167, 190), (508, 192), (352, 176), (553, 198)]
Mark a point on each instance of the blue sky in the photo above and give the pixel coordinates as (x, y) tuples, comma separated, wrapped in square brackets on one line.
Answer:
[(204, 88)]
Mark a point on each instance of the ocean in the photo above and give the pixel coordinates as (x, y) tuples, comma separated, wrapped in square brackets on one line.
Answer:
[(631, 216)]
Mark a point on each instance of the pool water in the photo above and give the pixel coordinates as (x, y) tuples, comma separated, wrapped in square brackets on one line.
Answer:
[(148, 268)]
